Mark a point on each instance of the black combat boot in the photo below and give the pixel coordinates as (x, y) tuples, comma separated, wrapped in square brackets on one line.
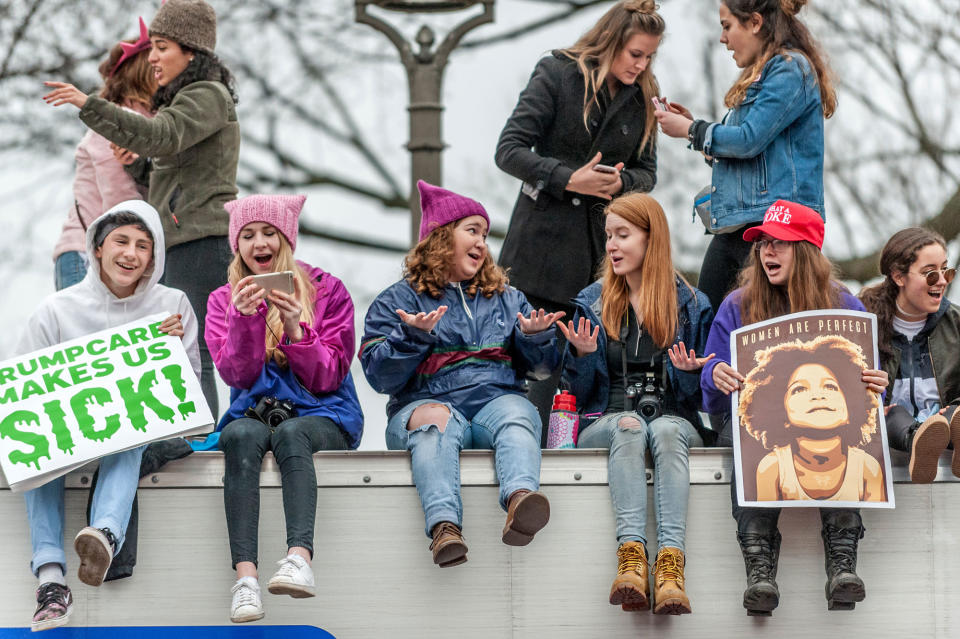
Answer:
[(840, 537), (760, 555)]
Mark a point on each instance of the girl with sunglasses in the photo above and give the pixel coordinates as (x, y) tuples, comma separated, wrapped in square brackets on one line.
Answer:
[(919, 344)]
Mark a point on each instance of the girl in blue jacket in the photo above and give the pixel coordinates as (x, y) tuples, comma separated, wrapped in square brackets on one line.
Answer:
[(785, 273), (645, 317), (770, 144), (450, 343)]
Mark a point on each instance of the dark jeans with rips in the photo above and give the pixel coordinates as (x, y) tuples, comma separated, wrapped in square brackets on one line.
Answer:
[(244, 442), (197, 268), (541, 392), (763, 521)]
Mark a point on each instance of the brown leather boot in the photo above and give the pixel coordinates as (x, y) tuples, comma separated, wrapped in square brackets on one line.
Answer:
[(954, 417), (527, 513), (930, 439), (631, 586), (668, 595), (447, 545)]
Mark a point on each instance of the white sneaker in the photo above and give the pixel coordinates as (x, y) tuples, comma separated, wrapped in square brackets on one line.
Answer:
[(294, 578), (246, 605)]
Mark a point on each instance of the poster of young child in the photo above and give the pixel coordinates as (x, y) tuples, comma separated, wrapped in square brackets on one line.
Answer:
[(806, 430), (68, 404)]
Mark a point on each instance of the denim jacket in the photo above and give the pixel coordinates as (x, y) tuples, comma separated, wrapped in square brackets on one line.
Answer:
[(770, 146)]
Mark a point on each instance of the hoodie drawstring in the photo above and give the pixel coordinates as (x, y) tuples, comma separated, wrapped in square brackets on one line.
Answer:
[(463, 300)]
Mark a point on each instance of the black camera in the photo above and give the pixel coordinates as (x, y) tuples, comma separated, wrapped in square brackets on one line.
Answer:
[(646, 397), (271, 411)]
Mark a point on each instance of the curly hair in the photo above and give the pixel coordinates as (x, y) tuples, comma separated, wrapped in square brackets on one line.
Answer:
[(132, 81), (765, 390), (204, 66), (426, 267), (898, 256)]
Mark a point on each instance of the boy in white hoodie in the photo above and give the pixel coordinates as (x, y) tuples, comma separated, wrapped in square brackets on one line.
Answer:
[(126, 250)]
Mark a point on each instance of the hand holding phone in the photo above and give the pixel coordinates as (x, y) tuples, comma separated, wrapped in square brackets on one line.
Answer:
[(282, 281), (660, 106), (605, 168)]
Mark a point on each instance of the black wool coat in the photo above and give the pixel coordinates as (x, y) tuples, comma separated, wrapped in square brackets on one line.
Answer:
[(555, 243)]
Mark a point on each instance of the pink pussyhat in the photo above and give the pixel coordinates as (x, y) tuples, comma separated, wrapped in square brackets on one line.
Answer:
[(279, 211), (130, 50), (440, 206)]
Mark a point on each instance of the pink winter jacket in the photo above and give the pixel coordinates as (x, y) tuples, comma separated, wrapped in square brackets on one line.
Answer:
[(99, 184), (321, 360)]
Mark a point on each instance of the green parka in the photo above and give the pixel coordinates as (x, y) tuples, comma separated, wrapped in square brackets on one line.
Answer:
[(195, 145)]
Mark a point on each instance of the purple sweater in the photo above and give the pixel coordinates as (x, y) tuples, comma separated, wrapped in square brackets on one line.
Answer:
[(726, 321)]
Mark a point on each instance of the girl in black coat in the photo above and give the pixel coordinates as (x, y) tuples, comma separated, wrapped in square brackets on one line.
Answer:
[(582, 132)]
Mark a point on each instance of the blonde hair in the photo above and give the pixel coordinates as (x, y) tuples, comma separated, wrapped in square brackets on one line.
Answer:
[(427, 266), (307, 297), (658, 297), (781, 32), (596, 50)]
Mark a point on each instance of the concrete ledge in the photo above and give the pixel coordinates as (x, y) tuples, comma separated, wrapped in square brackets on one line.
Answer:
[(392, 468)]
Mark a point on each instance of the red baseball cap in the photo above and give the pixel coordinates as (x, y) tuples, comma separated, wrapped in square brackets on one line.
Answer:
[(789, 221)]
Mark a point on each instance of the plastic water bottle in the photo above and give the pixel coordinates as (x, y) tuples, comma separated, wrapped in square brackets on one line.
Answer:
[(564, 422)]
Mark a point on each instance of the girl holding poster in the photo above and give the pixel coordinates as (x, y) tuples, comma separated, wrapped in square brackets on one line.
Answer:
[(919, 343), (125, 249), (451, 343), (646, 317), (785, 273), (285, 353)]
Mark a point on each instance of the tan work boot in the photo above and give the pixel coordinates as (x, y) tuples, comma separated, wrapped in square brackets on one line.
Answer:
[(448, 546), (930, 439), (527, 513), (631, 586), (668, 595)]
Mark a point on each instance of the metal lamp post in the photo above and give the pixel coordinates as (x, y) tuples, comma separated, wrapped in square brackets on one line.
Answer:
[(425, 68)]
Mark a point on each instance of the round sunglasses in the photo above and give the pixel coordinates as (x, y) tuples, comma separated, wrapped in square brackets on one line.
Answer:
[(933, 276)]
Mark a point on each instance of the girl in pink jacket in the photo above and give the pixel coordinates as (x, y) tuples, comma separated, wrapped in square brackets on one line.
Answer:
[(286, 357), (100, 181)]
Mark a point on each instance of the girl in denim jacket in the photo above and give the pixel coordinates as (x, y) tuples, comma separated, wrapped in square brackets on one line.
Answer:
[(646, 318), (770, 144)]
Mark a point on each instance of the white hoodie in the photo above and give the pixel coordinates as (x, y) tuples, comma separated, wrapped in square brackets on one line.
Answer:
[(89, 306)]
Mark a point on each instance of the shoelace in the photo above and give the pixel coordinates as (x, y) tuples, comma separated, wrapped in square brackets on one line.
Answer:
[(669, 567), (288, 567), (631, 558), (842, 546), (244, 595), (51, 593)]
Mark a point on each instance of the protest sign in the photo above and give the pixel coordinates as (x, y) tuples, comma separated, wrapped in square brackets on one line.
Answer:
[(806, 429), (66, 405)]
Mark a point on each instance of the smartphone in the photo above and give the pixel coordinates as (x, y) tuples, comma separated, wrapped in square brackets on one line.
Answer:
[(604, 168), (658, 104), (282, 281)]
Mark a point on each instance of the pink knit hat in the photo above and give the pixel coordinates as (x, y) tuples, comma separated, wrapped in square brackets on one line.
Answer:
[(440, 206), (279, 211)]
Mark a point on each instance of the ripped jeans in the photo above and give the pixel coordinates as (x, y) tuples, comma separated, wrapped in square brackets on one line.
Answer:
[(669, 439), (509, 424)]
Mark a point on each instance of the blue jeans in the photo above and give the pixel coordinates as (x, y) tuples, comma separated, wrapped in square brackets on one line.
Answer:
[(669, 439), (69, 268), (112, 501), (509, 424)]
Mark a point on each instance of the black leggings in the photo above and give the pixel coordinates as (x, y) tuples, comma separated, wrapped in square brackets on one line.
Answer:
[(244, 442), (725, 256)]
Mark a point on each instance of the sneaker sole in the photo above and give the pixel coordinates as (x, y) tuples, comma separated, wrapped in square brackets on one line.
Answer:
[(56, 622), (247, 618), (630, 599), (94, 559), (294, 590), (529, 518), (928, 443)]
